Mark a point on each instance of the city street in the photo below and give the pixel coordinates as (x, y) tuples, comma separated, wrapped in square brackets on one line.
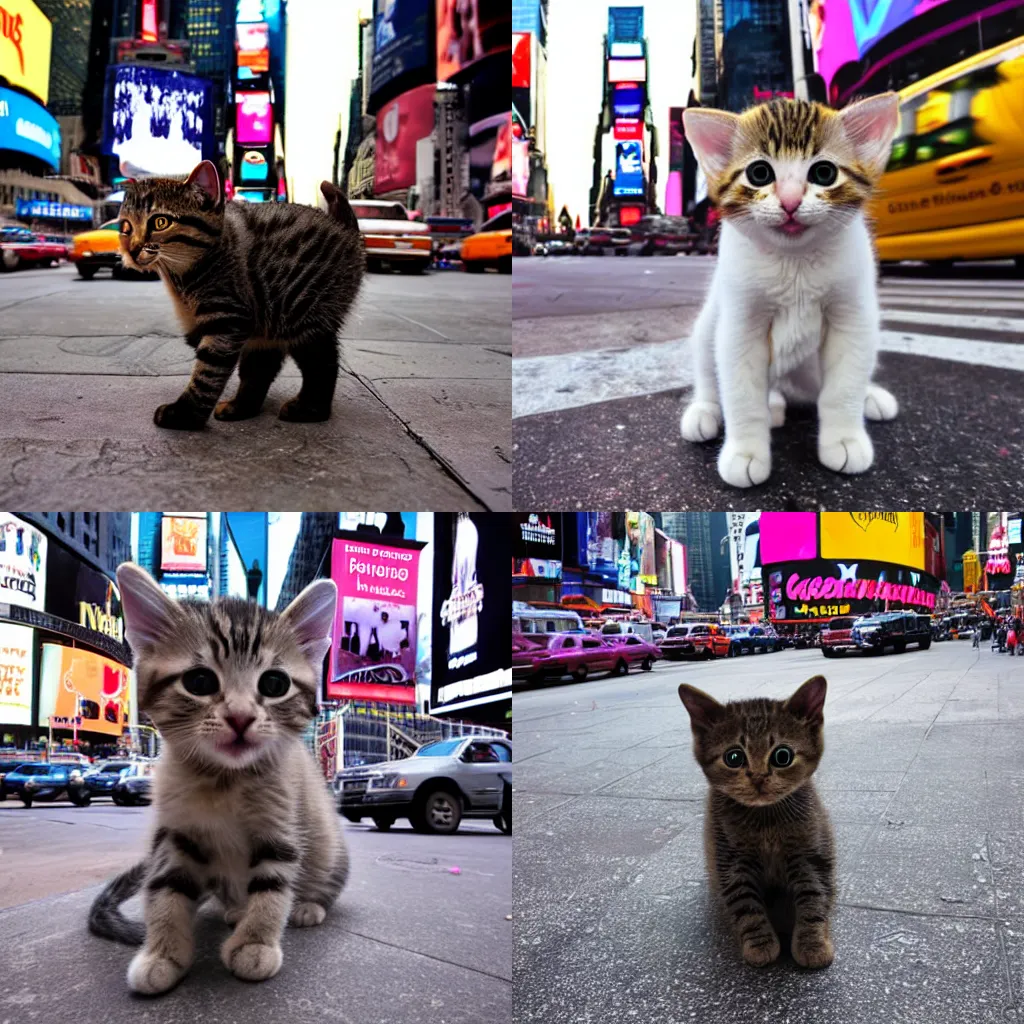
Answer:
[(921, 773), (409, 941), (602, 368), (422, 406)]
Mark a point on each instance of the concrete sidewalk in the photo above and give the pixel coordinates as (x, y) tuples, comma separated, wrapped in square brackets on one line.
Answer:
[(923, 776), (422, 409)]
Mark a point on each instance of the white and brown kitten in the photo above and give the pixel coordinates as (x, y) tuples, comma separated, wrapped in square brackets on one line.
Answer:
[(792, 314), (242, 812)]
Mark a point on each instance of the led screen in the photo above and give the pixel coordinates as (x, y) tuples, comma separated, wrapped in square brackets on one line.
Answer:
[(26, 127), (627, 101), (629, 170), (627, 70), (255, 118), (400, 39)]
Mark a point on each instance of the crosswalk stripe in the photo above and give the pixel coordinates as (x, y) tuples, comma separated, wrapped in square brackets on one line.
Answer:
[(965, 283), (896, 303), (943, 319)]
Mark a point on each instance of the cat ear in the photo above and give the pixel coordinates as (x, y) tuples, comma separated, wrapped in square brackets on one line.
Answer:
[(711, 133), (704, 709), (149, 614), (311, 617), (871, 125), (207, 178), (809, 701)]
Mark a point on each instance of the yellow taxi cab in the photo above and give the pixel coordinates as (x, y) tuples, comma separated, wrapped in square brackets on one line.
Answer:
[(95, 249), (954, 186), (491, 246)]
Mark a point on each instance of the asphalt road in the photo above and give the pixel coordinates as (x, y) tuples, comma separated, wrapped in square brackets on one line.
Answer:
[(601, 370), (421, 410), (408, 942), (922, 775)]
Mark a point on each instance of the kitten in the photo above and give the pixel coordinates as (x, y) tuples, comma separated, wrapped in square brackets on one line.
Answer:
[(792, 313), (242, 812), (767, 836), (251, 283)]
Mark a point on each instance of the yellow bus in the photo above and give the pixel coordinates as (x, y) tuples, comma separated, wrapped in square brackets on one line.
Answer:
[(954, 186)]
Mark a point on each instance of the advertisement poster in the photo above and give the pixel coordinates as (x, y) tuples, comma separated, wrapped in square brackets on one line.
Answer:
[(472, 627), (400, 39), (640, 534), (536, 544), (22, 563), (521, 60), (77, 682), (255, 123), (629, 169), (468, 30), (520, 166), (627, 70), (83, 595), (627, 101), (401, 123), (183, 544), (596, 541), (373, 649), (253, 46), (253, 165), (15, 674), (25, 44), (26, 127), (881, 536)]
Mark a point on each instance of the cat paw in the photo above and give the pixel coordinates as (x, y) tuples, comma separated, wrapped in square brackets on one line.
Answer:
[(252, 961), (178, 416), (777, 408), (150, 974), (305, 915), (880, 404), (744, 464), (812, 950), (760, 950), (846, 451), (231, 410), (701, 421), (294, 411)]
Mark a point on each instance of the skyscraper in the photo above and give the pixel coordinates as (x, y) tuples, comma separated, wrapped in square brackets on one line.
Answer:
[(69, 55), (209, 25), (708, 570)]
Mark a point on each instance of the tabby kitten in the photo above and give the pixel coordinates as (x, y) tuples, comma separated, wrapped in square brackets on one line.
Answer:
[(242, 812), (251, 283), (767, 836), (792, 313)]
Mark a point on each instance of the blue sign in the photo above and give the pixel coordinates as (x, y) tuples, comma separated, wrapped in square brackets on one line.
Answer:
[(401, 39), (628, 101), (29, 128), (53, 211), (629, 169), (625, 24)]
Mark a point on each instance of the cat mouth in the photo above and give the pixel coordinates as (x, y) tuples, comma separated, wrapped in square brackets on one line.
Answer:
[(239, 746), (793, 228)]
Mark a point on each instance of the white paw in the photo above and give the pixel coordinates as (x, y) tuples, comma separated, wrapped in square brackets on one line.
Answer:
[(745, 463), (150, 974), (880, 404), (305, 915), (777, 408), (701, 421), (253, 961), (846, 451)]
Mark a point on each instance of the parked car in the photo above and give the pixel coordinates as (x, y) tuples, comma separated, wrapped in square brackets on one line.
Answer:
[(554, 655), (620, 239), (48, 782), (764, 640), (837, 637), (21, 247), (595, 242), (658, 631), (874, 633), (695, 640), (657, 235), (390, 238), (442, 783), (134, 785), (101, 779), (490, 247), (620, 627), (632, 650)]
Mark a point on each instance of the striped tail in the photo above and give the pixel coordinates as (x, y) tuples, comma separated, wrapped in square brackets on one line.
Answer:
[(337, 206), (105, 917)]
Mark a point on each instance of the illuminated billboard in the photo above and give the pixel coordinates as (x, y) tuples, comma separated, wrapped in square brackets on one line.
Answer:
[(26, 36), (255, 118), (629, 169), (253, 46), (75, 682), (22, 563), (400, 39), (521, 60), (401, 123), (628, 128), (253, 166), (896, 537), (183, 544), (16, 654), (26, 127), (160, 120), (520, 166), (627, 70), (468, 30), (628, 101)]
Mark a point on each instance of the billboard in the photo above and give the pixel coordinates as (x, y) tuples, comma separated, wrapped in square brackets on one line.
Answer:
[(468, 30), (627, 70), (627, 101), (788, 536), (521, 70), (44, 208), (26, 127), (401, 123), (629, 169), (183, 544), (253, 166), (373, 646), (520, 166), (26, 36), (536, 540), (640, 538), (628, 128), (77, 592), (596, 540), (22, 563), (75, 682), (16, 652), (400, 39), (472, 649), (896, 537), (625, 24), (160, 121), (252, 42), (255, 118)]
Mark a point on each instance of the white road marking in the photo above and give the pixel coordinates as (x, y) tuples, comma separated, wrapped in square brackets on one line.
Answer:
[(987, 323)]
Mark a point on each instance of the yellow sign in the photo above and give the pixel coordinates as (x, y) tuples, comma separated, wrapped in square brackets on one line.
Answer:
[(896, 537), (79, 683), (972, 572), (25, 39)]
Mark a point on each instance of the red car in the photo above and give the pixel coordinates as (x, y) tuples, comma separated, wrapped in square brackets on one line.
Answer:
[(696, 640), (20, 246), (837, 637), (538, 655), (632, 650)]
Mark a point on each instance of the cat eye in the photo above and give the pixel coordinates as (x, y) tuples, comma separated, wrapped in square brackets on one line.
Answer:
[(126, 227), (273, 684), (200, 682), (823, 172), (782, 757), (160, 223), (760, 173), (734, 758)]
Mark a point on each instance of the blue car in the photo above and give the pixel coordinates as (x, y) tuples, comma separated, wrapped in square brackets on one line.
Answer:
[(48, 782), (101, 780)]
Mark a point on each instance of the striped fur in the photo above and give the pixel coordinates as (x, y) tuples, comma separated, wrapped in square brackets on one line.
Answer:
[(253, 827), (768, 840), (251, 284)]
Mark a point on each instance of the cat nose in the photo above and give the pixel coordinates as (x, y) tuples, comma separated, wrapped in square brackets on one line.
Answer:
[(790, 201), (240, 723)]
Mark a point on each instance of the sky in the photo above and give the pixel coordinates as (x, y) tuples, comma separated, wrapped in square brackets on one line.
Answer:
[(575, 67)]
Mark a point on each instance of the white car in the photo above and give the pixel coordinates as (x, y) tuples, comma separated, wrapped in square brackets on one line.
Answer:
[(391, 237)]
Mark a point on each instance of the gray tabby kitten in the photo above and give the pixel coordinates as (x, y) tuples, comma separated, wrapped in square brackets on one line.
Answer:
[(767, 836), (251, 283), (242, 812)]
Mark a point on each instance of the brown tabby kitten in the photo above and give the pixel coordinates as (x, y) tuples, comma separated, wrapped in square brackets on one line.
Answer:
[(241, 810), (767, 836), (251, 283)]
